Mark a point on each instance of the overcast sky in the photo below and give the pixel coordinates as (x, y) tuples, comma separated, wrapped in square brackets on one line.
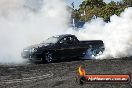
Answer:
[(78, 2)]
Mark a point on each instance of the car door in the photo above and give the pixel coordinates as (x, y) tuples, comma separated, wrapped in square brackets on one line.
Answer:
[(73, 43), (67, 48)]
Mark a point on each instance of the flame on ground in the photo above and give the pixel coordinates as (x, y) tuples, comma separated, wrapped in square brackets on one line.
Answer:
[(82, 71)]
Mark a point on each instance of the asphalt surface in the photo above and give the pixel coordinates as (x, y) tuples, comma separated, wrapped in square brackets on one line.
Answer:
[(62, 74)]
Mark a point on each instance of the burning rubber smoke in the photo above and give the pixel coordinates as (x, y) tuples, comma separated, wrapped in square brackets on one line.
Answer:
[(27, 22), (117, 34)]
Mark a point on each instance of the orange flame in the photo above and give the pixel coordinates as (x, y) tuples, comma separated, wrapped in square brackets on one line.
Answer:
[(82, 72)]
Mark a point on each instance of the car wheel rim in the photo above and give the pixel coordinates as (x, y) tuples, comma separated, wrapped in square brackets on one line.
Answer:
[(48, 57), (90, 53)]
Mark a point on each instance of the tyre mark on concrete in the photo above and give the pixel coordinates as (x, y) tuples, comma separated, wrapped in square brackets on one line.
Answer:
[(50, 74)]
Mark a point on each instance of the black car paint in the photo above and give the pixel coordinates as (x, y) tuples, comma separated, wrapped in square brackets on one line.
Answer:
[(73, 48)]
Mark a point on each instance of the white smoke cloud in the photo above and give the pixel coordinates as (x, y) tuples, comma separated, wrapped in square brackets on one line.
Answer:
[(9, 6), (117, 35), (21, 26)]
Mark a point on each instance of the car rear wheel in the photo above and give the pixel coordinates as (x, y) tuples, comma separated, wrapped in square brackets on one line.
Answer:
[(93, 52)]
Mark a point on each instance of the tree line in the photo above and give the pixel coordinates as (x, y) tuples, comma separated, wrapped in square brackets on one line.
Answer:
[(90, 9)]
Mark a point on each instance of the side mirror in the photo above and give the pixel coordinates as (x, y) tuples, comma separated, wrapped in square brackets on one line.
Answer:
[(60, 43)]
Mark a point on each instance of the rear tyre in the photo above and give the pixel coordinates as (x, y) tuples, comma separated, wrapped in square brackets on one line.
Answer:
[(91, 53)]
